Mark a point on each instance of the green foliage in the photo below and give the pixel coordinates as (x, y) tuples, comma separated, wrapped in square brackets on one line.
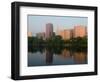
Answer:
[(57, 42), (79, 42), (54, 41)]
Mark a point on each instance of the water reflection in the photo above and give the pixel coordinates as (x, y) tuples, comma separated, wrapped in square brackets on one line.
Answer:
[(49, 56), (66, 54), (80, 57), (56, 56)]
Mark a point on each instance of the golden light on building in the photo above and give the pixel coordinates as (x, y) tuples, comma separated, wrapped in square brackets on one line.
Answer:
[(79, 31), (29, 34), (65, 34)]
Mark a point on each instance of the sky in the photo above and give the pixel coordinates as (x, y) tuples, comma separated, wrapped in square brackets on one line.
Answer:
[(37, 23)]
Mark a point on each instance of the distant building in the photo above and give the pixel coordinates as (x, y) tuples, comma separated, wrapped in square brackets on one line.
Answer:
[(61, 33), (49, 30), (65, 34), (79, 31), (41, 35), (29, 34)]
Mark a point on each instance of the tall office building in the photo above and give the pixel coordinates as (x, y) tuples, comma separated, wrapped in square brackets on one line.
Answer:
[(29, 34), (49, 30), (79, 31)]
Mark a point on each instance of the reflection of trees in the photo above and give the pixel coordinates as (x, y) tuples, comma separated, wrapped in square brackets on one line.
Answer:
[(35, 49), (78, 56), (73, 48), (56, 50)]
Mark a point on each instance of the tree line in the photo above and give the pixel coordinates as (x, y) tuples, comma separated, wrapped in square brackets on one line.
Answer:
[(57, 41)]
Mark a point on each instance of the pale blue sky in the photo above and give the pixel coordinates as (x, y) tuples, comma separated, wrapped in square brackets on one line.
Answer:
[(37, 23)]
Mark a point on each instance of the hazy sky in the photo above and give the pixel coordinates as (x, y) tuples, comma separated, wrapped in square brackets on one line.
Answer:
[(37, 23)]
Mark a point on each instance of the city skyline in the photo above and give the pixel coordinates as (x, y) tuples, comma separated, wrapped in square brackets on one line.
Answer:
[(57, 40), (37, 23), (66, 34)]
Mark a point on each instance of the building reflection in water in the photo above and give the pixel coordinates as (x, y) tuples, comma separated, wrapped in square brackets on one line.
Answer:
[(77, 57), (80, 57), (49, 56), (65, 54)]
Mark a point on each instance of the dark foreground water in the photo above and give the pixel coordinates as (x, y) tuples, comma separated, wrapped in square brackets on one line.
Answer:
[(44, 57)]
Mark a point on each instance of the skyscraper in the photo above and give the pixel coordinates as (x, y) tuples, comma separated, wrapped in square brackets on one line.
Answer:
[(79, 31), (49, 30)]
